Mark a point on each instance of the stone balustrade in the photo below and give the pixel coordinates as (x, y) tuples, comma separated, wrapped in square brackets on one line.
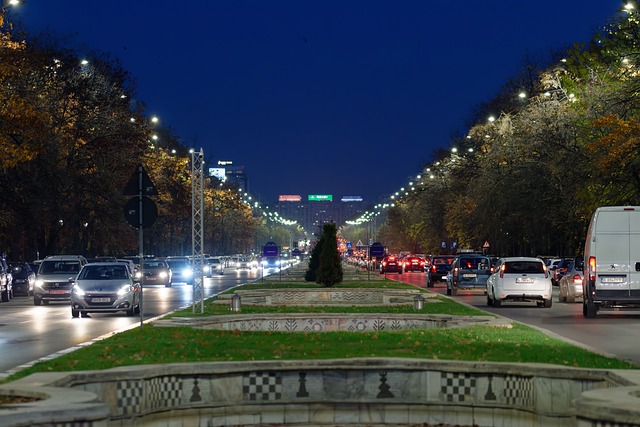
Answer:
[(355, 392)]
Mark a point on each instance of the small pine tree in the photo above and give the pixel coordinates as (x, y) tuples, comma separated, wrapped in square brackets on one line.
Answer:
[(314, 261), (329, 271)]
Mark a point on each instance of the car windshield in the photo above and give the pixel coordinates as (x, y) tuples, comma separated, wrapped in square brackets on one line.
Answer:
[(524, 267), (103, 272), (154, 264), (59, 267)]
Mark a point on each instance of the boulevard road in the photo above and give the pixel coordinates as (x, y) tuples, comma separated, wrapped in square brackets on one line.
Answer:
[(28, 333), (612, 333)]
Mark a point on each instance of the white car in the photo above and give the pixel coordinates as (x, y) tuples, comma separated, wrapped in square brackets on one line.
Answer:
[(519, 279)]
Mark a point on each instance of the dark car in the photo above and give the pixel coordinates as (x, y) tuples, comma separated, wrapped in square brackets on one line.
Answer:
[(412, 263), (181, 270), (438, 269), (154, 272), (24, 278), (390, 264), (469, 272)]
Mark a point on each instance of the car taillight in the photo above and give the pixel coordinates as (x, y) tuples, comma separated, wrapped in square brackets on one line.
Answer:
[(502, 270), (384, 263), (577, 279), (433, 268), (455, 272), (592, 269)]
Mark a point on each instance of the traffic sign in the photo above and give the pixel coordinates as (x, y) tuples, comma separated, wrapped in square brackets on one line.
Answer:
[(486, 245), (349, 245), (140, 183), (132, 212), (376, 250), (270, 249)]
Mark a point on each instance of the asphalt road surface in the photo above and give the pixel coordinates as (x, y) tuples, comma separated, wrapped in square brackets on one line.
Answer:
[(612, 333), (28, 333)]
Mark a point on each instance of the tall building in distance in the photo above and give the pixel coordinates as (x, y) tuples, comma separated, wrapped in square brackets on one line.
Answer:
[(226, 171), (316, 210)]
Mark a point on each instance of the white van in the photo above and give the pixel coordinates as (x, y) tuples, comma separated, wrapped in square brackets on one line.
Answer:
[(612, 260)]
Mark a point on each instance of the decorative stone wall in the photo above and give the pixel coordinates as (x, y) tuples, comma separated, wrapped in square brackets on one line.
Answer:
[(327, 296), (301, 322), (357, 392)]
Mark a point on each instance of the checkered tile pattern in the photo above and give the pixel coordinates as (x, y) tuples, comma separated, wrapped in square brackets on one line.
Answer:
[(457, 387), (519, 391), (164, 392), (262, 386), (129, 397)]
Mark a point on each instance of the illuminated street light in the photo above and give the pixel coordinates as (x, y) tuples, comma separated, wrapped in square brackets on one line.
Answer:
[(492, 119)]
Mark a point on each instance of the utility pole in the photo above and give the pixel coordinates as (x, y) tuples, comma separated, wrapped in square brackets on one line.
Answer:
[(197, 227)]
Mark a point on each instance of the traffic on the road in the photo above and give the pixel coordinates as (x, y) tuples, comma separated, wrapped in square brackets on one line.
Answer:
[(76, 300)]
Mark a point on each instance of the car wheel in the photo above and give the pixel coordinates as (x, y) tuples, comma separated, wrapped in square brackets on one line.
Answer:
[(130, 312), (75, 313), (136, 310), (489, 300), (448, 290), (84, 314), (497, 302), (454, 292), (37, 301), (168, 285), (547, 303), (45, 302), (589, 309)]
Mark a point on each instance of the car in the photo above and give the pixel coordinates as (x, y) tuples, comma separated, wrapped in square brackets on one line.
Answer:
[(412, 263), (570, 285), (6, 282), (241, 263), (390, 264), (154, 272), (24, 278), (102, 259), (438, 269), (612, 260), (105, 287), (213, 266), (468, 272), (181, 270), (55, 278), (559, 270), (519, 279)]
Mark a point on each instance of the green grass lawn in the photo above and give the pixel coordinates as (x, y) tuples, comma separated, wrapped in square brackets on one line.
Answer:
[(152, 345)]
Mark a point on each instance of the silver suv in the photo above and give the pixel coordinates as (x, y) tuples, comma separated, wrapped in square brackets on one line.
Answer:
[(55, 278)]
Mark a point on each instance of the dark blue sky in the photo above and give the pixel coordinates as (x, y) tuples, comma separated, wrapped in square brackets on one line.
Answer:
[(319, 96)]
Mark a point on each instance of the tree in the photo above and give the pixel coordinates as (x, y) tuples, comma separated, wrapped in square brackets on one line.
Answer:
[(330, 268), (314, 261)]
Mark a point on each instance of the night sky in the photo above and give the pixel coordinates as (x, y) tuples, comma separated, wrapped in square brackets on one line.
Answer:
[(319, 97)]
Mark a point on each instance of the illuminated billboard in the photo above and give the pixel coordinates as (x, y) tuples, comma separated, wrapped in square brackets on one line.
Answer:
[(289, 198), (320, 197), (351, 199)]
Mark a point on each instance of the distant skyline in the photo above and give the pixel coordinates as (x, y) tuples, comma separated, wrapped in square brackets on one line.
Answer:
[(319, 97)]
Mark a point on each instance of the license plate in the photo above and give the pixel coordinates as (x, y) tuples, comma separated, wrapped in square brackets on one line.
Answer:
[(612, 279), (151, 278), (100, 299), (524, 280), (58, 291), (470, 275)]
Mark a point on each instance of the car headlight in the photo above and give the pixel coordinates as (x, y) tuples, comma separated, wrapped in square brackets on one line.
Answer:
[(163, 275), (40, 283), (77, 290), (138, 275), (126, 289), (187, 272)]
